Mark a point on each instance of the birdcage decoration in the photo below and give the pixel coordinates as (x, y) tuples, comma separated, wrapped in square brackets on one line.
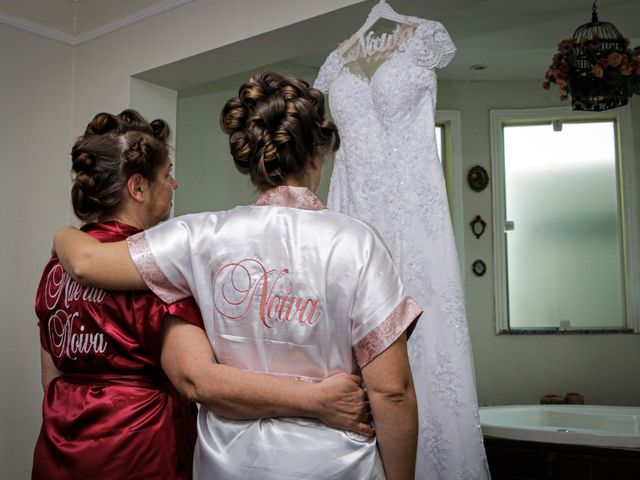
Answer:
[(596, 67), (592, 89)]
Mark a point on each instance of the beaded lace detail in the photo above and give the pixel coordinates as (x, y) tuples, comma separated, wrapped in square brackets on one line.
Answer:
[(388, 174)]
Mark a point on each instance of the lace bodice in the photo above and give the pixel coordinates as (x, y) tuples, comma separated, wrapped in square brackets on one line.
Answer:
[(386, 125), (430, 47), (391, 92)]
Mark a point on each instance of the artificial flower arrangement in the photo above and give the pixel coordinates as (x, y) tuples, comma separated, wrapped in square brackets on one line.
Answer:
[(609, 69)]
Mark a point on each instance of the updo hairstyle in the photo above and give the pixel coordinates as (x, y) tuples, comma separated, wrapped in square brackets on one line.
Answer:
[(112, 148), (275, 125)]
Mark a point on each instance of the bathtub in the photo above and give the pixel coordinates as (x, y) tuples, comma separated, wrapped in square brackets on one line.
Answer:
[(589, 425)]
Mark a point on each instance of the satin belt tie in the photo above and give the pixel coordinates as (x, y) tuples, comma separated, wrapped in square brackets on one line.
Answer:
[(157, 382)]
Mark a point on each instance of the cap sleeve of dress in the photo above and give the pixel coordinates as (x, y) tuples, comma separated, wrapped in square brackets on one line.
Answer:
[(431, 45), (381, 310), (328, 72), (163, 256)]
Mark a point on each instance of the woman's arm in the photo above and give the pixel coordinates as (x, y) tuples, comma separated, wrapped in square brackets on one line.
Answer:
[(187, 359), (48, 370), (395, 412), (103, 265)]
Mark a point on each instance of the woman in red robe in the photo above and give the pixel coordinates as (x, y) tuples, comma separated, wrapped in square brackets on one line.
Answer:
[(109, 411)]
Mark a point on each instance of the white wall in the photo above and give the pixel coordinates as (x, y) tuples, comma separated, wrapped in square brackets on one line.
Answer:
[(106, 64), (35, 141), (521, 368)]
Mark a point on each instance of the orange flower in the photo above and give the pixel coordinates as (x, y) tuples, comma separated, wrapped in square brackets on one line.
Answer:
[(597, 70), (614, 59)]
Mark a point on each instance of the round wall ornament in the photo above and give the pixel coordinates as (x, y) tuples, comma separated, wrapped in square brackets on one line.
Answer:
[(479, 268), (478, 178)]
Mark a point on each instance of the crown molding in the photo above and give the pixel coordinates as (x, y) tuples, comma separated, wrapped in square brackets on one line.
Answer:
[(75, 40), (140, 15), (36, 29)]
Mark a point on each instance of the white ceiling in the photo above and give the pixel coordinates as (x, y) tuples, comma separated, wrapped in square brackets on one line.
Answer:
[(514, 39)]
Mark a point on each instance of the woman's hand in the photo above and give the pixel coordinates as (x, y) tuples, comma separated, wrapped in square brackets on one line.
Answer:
[(189, 362), (343, 403)]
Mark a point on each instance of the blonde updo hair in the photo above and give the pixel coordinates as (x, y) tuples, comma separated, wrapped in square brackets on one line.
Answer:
[(275, 125), (112, 149)]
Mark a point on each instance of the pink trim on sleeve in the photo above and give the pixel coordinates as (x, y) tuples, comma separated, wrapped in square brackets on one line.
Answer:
[(380, 338), (150, 271)]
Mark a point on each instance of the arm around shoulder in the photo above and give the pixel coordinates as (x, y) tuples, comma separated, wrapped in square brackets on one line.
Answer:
[(88, 261)]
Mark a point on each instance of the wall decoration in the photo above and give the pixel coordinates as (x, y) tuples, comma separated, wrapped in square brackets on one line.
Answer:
[(479, 268), (478, 226), (478, 178)]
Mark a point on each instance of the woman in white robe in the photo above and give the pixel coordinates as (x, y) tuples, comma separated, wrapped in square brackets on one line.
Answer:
[(286, 287)]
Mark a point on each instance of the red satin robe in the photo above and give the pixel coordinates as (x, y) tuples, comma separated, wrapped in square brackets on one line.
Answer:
[(113, 413)]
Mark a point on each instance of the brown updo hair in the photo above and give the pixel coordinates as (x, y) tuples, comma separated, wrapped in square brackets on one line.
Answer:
[(275, 125), (112, 148)]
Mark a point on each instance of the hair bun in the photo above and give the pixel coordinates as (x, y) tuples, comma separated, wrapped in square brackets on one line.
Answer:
[(83, 162), (269, 82), (160, 129), (102, 123), (132, 118), (233, 117)]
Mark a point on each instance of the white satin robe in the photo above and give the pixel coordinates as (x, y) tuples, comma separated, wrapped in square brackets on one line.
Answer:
[(286, 287)]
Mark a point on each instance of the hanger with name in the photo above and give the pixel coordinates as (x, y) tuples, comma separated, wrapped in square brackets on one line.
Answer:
[(363, 44)]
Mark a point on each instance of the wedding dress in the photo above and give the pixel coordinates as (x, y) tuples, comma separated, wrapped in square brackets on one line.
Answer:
[(387, 173)]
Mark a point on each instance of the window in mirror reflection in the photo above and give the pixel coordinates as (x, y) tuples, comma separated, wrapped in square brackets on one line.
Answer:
[(563, 230), (449, 148)]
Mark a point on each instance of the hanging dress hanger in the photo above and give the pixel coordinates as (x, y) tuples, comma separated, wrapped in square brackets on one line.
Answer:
[(380, 11)]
